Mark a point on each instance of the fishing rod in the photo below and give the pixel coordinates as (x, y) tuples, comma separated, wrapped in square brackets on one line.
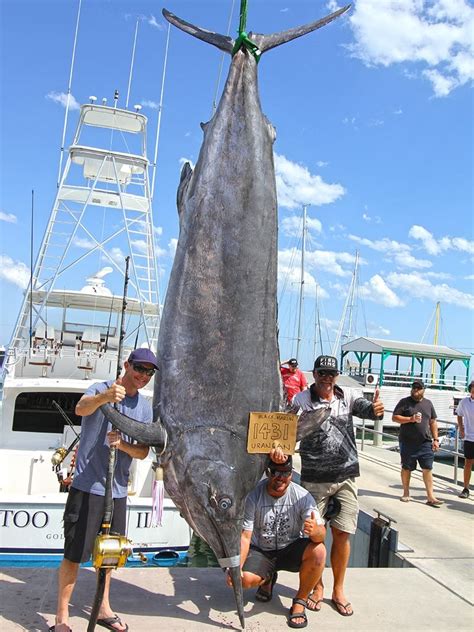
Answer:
[(110, 551)]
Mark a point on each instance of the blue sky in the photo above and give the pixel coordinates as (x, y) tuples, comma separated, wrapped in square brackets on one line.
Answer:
[(373, 115)]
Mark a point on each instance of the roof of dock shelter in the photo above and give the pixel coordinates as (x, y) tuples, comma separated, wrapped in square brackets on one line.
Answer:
[(396, 347)]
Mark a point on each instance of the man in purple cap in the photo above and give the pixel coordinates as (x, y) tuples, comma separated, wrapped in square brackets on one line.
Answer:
[(85, 504)]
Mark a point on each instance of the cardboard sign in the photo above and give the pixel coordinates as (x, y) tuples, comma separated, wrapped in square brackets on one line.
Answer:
[(271, 430)]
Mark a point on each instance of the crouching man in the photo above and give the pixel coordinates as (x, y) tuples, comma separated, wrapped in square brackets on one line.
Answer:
[(282, 530)]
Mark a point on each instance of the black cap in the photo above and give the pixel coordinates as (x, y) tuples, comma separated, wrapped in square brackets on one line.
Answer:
[(293, 362), (418, 384), (287, 466), (328, 363)]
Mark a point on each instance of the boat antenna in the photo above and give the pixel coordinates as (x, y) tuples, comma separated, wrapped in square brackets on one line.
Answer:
[(132, 62), (301, 303), (68, 99), (108, 498), (31, 264), (219, 74), (160, 109)]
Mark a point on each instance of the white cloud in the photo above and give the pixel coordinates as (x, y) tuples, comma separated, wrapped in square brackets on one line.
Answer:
[(418, 286), (436, 34), (377, 330), (83, 242), (152, 21), (8, 217), (435, 246), (322, 163), (320, 261), (394, 250), (15, 272), (289, 276), (153, 105), (117, 255), (62, 99), (368, 218), (172, 245), (377, 290), (297, 186), (293, 226)]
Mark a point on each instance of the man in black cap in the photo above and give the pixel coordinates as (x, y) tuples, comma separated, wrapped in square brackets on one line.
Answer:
[(293, 379), (85, 504), (282, 530), (330, 464), (418, 439)]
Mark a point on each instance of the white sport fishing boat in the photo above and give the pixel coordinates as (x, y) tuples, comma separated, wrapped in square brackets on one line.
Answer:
[(66, 339)]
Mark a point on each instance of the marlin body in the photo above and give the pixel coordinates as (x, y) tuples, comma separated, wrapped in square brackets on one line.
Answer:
[(218, 348)]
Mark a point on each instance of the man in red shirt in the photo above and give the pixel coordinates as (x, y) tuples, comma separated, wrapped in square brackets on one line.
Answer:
[(294, 380)]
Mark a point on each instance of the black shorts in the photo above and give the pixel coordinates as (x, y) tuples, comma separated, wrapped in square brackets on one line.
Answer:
[(82, 521), (423, 454), (468, 449), (265, 563)]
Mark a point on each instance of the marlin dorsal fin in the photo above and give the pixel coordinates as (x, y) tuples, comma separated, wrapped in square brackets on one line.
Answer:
[(223, 42)]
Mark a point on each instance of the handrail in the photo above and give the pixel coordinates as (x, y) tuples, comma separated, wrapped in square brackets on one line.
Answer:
[(456, 453)]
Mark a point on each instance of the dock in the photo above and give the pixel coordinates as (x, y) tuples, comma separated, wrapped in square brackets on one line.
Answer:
[(436, 591)]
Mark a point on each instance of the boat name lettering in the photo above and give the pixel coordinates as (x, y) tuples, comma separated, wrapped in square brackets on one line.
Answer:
[(143, 519), (22, 518)]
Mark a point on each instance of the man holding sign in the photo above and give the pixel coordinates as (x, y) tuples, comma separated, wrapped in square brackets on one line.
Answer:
[(282, 530), (330, 462)]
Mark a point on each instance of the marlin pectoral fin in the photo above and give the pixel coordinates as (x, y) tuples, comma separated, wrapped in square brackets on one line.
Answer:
[(147, 434), (266, 42), (223, 42), (310, 420)]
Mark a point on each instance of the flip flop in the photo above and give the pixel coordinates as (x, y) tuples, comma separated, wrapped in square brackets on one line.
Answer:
[(108, 622), (263, 595), (297, 615), (316, 602), (434, 503), (342, 608)]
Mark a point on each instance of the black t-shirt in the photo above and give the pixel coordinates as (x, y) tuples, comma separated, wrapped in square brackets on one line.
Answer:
[(415, 433)]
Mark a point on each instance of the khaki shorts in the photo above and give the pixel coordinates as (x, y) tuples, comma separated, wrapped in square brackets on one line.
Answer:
[(346, 493)]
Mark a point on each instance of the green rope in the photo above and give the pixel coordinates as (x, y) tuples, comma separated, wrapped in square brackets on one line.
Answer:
[(243, 38)]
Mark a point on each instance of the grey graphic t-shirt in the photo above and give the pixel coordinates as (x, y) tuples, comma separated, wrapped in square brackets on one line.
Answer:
[(277, 522)]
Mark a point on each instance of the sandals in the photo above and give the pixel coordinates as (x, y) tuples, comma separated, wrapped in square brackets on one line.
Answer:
[(316, 603), (263, 595), (297, 615), (342, 608)]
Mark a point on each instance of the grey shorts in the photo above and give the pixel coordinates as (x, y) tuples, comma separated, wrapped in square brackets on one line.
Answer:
[(346, 493)]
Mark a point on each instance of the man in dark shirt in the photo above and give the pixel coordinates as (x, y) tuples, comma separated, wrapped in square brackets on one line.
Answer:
[(330, 463), (418, 439)]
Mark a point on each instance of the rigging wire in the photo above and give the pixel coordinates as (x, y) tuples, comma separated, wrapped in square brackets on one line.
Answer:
[(219, 74)]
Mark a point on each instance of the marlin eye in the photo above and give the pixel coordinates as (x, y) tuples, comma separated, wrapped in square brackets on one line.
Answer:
[(225, 503)]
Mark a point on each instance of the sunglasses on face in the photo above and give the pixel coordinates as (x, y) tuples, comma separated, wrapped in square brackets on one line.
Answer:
[(326, 373), (139, 368), (279, 473)]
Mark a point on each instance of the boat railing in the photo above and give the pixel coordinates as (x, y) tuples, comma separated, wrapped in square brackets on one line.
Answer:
[(378, 434), (405, 378)]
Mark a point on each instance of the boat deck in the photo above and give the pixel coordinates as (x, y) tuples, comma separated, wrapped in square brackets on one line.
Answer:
[(436, 594)]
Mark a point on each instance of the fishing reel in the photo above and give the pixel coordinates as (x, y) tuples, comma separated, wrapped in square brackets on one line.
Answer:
[(58, 456), (111, 551)]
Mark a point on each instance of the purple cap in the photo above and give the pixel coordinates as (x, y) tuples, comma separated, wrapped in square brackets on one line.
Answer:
[(143, 355)]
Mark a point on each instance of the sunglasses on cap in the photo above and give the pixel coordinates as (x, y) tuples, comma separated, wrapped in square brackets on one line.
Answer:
[(139, 368), (325, 373), (279, 473)]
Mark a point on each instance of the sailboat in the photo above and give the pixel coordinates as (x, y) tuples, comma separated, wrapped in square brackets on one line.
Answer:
[(67, 337)]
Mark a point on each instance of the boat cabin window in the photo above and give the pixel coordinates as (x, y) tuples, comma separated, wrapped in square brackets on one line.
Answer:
[(35, 412)]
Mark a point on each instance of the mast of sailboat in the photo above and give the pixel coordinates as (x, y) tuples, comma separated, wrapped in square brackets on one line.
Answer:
[(317, 325), (435, 339), (31, 266), (301, 300), (68, 97), (348, 308)]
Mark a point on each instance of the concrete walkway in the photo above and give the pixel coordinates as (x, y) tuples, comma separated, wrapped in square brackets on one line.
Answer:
[(436, 594)]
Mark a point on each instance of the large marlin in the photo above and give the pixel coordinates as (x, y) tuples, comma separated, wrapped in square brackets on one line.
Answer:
[(217, 348)]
